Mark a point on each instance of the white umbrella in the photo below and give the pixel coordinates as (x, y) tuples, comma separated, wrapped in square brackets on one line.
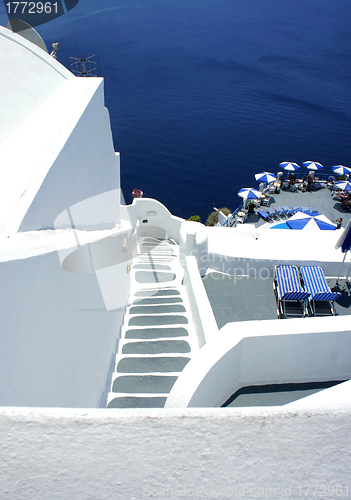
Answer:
[(312, 165), (288, 165), (265, 177), (250, 194), (344, 185), (315, 222), (341, 170)]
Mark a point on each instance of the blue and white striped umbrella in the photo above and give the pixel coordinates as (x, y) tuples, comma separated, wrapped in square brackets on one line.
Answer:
[(341, 170), (249, 193), (265, 177), (288, 165), (312, 165), (310, 222), (344, 185)]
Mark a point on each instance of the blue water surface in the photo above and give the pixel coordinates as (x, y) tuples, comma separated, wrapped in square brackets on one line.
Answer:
[(203, 94)]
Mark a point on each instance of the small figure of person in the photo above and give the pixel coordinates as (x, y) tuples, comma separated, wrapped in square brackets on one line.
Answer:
[(292, 180), (338, 223), (309, 180)]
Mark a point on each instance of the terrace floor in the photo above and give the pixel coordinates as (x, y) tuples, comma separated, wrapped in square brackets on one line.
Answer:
[(320, 199), (245, 298)]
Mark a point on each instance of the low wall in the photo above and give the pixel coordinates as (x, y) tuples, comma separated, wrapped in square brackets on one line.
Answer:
[(209, 454), (202, 315), (156, 220), (264, 352)]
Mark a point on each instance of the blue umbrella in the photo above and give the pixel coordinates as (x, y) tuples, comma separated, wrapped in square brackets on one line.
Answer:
[(310, 222), (344, 185), (312, 165), (265, 177), (341, 170), (344, 242), (249, 194), (288, 165)]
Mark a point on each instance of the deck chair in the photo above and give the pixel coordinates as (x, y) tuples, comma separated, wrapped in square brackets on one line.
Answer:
[(288, 288), (265, 215), (315, 283), (273, 213), (287, 211)]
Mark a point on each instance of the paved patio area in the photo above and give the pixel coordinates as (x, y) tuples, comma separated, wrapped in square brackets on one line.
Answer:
[(246, 298)]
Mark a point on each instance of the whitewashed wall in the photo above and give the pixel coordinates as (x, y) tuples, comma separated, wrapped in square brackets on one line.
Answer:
[(57, 339), (201, 311), (208, 454), (86, 164), (264, 352)]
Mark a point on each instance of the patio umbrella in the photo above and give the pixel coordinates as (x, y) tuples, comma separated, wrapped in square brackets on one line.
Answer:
[(249, 194), (312, 165), (344, 242), (344, 185), (310, 222), (341, 170), (288, 165), (265, 177)]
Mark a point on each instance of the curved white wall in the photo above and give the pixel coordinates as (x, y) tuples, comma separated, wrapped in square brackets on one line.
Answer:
[(264, 352), (28, 77)]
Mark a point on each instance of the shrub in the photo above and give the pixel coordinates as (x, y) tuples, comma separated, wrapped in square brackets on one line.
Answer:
[(195, 218), (212, 219)]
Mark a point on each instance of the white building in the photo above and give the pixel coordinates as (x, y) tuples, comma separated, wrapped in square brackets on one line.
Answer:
[(71, 261)]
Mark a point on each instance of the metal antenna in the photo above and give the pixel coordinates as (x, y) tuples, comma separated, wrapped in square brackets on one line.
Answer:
[(84, 66)]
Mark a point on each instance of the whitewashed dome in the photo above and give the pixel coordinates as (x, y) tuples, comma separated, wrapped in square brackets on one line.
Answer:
[(28, 77)]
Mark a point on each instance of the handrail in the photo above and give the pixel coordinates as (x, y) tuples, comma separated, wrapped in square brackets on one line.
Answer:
[(233, 214)]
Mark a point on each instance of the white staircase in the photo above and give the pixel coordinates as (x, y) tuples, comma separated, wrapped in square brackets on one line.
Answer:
[(157, 337)]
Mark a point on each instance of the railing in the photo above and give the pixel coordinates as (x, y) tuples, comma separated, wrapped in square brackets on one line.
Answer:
[(231, 216)]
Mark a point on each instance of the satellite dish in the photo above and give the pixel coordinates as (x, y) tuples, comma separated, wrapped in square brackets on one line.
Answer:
[(24, 29)]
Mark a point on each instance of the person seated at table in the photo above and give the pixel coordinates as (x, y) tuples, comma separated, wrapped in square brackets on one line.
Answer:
[(346, 202)]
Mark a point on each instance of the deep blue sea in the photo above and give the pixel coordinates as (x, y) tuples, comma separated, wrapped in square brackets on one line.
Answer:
[(203, 94)]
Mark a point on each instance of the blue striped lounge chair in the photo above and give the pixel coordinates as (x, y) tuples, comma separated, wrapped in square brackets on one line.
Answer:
[(265, 215), (315, 283), (288, 289), (273, 213), (287, 211)]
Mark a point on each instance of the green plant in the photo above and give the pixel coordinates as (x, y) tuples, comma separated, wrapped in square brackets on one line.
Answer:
[(212, 219), (251, 206), (195, 218)]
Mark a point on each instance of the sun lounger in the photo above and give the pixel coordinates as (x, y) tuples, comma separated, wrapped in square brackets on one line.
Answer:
[(288, 289), (315, 283), (265, 215), (287, 211), (273, 213)]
